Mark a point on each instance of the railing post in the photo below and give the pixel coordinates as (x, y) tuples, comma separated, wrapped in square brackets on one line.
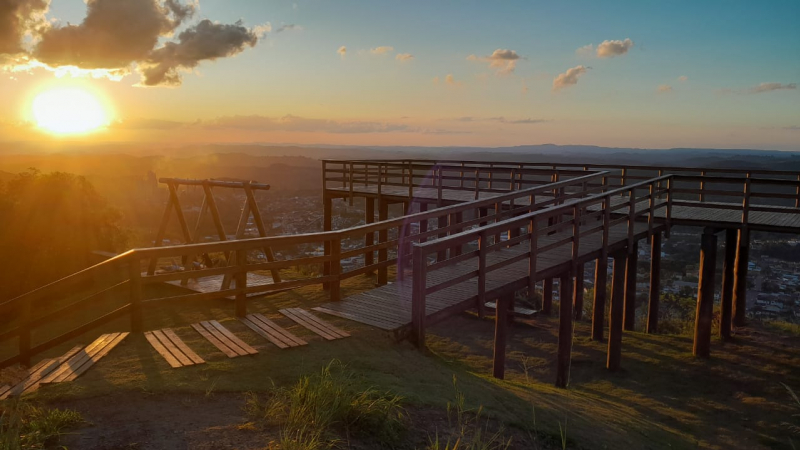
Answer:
[(439, 192), (352, 183), (241, 283), (702, 186), (26, 311), (746, 202), (669, 207), (478, 183), (797, 193), (324, 175), (461, 181), (631, 217), (533, 232), (418, 288), (411, 179), (336, 268), (482, 249), (135, 293)]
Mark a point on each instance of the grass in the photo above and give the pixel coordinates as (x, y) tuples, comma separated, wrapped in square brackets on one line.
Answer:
[(784, 327), (27, 426)]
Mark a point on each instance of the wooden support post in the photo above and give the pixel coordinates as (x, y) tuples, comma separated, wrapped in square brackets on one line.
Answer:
[(577, 299), (726, 299), (501, 335), (327, 225), (162, 230), (135, 294), (705, 294), (336, 268), (455, 219), (616, 312), (383, 236), (547, 296), (369, 238), (630, 287), (441, 255), (423, 224), (262, 230), (740, 277), (241, 283), (419, 286), (655, 284), (564, 331), (599, 302)]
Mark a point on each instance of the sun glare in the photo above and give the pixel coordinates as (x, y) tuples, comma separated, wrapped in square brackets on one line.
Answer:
[(69, 111)]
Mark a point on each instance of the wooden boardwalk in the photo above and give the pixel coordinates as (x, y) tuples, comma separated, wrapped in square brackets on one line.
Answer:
[(214, 283), (172, 348), (389, 307)]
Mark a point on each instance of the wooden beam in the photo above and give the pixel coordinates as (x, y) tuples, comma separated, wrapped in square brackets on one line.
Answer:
[(500, 336), (615, 313), (740, 277), (728, 276), (564, 331), (369, 238), (241, 284), (327, 225), (655, 284), (383, 236), (262, 231), (630, 287), (547, 296), (705, 295), (162, 230), (599, 304), (577, 297)]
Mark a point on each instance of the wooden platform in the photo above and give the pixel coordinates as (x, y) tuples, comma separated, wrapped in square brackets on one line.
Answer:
[(78, 364), (172, 348), (314, 323), (223, 339), (389, 307), (36, 373), (431, 194), (271, 331), (214, 283)]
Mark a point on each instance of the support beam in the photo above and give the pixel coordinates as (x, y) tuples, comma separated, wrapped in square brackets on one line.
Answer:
[(740, 277), (501, 335), (327, 225), (616, 312), (547, 296), (564, 331), (577, 296), (599, 304), (705, 295), (369, 239), (383, 236), (630, 287), (655, 284), (726, 299)]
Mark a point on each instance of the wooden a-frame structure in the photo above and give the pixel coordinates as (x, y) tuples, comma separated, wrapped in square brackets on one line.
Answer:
[(250, 207)]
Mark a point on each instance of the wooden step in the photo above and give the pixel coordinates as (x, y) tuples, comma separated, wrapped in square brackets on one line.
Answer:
[(172, 348), (38, 372), (314, 323), (525, 312), (223, 339), (271, 331), (78, 364)]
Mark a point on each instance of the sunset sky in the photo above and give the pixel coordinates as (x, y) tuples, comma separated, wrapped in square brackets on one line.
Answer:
[(706, 73)]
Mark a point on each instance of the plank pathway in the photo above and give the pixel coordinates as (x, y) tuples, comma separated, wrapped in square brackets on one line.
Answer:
[(37, 373), (314, 323), (389, 307), (214, 283), (223, 339), (172, 348), (82, 361), (271, 331)]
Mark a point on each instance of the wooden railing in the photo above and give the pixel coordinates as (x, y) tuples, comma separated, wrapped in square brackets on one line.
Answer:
[(546, 230), (115, 286)]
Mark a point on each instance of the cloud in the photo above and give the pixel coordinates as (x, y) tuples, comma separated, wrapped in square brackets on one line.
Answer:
[(289, 27), (683, 78), (505, 61), (569, 78), (381, 50), (664, 88), (501, 119), (451, 80), (768, 87), (18, 18), (342, 51), (586, 50), (404, 57), (206, 41), (791, 128), (148, 124), (610, 49)]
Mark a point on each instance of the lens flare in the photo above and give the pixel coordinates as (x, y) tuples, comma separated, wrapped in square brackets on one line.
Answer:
[(69, 111)]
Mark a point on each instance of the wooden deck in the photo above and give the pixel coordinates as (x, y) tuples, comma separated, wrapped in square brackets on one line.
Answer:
[(214, 283), (389, 307), (431, 195)]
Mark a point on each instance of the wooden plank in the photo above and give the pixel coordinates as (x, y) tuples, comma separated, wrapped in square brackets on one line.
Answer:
[(301, 320), (330, 327), (159, 347), (194, 357), (272, 332), (216, 342), (274, 326), (4, 390), (250, 324), (74, 363), (38, 372), (183, 359), (97, 356), (233, 338)]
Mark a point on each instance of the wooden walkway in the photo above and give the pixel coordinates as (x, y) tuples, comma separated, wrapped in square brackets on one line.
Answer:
[(214, 283), (272, 331), (85, 359), (314, 323), (431, 194), (172, 348), (389, 307), (223, 339)]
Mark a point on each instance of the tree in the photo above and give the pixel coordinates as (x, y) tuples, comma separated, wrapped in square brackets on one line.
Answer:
[(51, 224)]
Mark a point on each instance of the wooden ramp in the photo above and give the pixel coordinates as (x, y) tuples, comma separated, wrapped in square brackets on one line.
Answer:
[(37, 373), (271, 331), (82, 361), (172, 348), (223, 339), (214, 283), (314, 323)]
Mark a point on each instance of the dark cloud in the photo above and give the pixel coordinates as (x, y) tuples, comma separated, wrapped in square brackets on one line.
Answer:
[(114, 34), (18, 17), (206, 41)]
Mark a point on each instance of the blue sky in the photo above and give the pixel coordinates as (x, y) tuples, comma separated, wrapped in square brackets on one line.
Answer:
[(724, 49)]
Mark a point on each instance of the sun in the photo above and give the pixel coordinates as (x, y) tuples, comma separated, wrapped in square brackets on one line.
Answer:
[(67, 111)]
